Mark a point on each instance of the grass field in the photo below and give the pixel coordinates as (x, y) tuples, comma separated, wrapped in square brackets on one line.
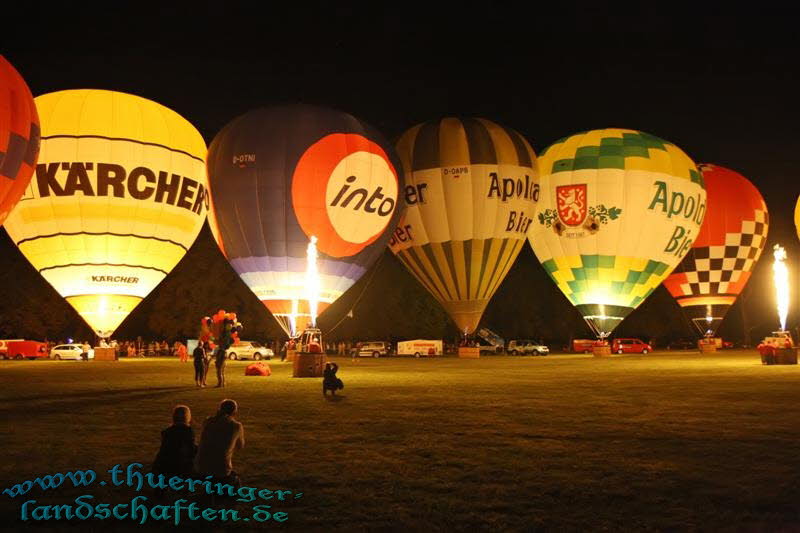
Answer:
[(662, 441)]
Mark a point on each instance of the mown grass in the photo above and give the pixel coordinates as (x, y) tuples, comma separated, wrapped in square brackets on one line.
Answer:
[(663, 441)]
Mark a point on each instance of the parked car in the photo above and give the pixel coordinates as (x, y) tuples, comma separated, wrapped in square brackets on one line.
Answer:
[(374, 349), (630, 346), (526, 347), (25, 350), (582, 345), (249, 350), (70, 351), (683, 344)]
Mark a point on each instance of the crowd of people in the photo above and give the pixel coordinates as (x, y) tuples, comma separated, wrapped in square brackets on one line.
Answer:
[(147, 349), (163, 348)]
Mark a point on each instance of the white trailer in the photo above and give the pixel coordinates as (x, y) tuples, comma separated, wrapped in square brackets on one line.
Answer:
[(420, 348)]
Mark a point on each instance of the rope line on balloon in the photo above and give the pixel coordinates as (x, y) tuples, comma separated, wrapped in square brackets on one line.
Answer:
[(361, 295)]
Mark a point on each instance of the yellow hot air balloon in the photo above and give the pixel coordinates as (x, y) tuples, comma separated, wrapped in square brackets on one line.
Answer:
[(471, 190), (118, 197), (619, 210), (797, 217)]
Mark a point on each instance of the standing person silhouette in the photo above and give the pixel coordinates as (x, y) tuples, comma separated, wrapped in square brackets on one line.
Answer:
[(183, 353), (219, 361), (208, 348), (199, 357), (284, 349)]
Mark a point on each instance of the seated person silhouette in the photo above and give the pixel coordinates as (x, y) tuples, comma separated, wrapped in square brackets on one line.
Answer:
[(177, 452)]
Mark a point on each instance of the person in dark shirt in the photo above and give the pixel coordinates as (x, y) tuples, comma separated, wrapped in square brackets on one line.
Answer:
[(199, 356), (222, 435), (329, 380), (178, 448), (209, 349), (176, 455), (219, 361)]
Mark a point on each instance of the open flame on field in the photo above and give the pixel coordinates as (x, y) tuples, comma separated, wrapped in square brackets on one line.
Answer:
[(781, 277), (293, 318), (312, 279)]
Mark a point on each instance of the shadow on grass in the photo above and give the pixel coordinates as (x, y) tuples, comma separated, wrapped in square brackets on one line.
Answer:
[(335, 399), (90, 394), (49, 403)]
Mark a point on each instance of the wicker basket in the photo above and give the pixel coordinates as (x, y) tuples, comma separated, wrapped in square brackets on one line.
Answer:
[(785, 356), (105, 354), (308, 365), (707, 347), (601, 351), (469, 352)]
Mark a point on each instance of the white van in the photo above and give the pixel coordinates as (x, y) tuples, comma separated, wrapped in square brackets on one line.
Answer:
[(420, 348)]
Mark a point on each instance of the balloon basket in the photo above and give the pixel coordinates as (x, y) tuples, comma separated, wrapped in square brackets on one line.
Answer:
[(782, 356), (308, 365), (601, 351), (707, 347), (469, 352), (105, 354), (291, 354)]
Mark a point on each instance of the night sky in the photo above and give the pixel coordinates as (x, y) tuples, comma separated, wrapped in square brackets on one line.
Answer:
[(721, 85)]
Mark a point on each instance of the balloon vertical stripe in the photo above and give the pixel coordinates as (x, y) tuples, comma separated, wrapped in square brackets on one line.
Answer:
[(472, 192)]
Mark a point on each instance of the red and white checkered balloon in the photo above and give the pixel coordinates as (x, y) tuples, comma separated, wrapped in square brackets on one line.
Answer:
[(731, 239)]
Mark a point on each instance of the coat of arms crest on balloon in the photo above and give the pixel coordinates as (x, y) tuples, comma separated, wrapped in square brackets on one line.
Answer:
[(574, 213), (571, 203)]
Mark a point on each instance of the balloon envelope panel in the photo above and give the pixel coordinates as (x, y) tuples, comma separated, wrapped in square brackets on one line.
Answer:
[(718, 266), (281, 175), (19, 137), (471, 192), (118, 198), (619, 210)]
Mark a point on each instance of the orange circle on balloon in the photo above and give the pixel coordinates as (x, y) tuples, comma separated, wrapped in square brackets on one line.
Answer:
[(344, 192)]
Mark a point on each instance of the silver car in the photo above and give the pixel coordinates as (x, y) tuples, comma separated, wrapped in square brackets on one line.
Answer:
[(527, 347), (249, 350), (70, 351)]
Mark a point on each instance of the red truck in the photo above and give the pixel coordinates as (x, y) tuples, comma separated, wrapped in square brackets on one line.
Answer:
[(4, 346), (583, 345), (26, 350)]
